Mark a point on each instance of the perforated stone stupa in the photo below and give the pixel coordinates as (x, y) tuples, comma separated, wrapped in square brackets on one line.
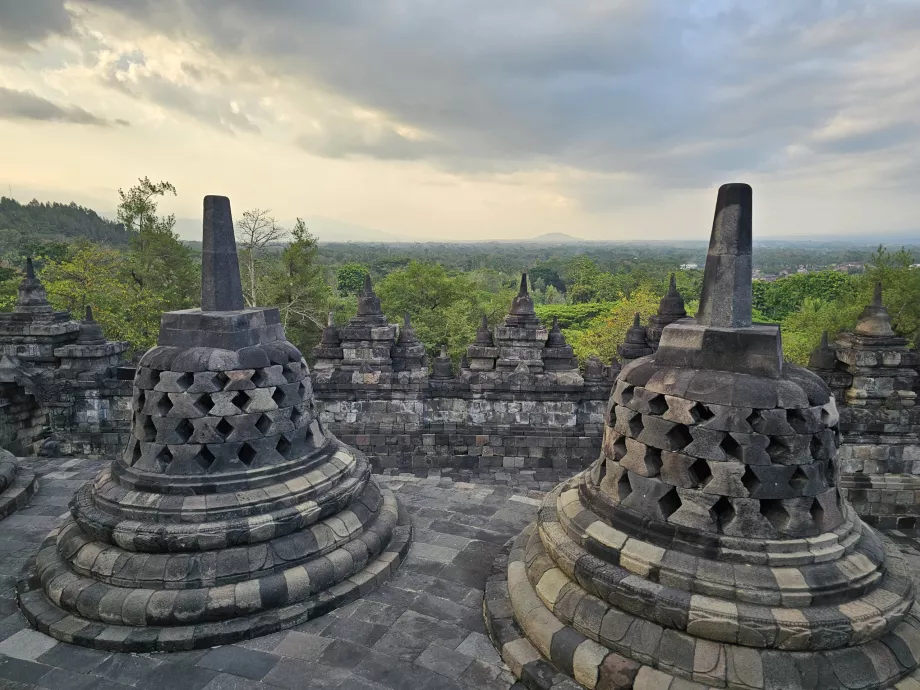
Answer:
[(708, 546), (233, 512)]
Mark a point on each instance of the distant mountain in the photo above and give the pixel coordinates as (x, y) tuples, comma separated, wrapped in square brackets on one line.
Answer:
[(44, 222), (555, 238)]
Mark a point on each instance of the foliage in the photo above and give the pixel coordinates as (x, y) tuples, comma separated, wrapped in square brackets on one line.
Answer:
[(606, 331), (445, 308), (573, 316), (294, 283), (777, 299), (254, 232), (349, 278), (159, 263), (26, 228)]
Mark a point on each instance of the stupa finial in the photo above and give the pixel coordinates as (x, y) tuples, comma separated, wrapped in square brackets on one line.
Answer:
[(522, 291), (30, 268), (221, 289), (727, 284)]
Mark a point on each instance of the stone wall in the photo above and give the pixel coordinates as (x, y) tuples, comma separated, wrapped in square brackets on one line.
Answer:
[(22, 419), (465, 431)]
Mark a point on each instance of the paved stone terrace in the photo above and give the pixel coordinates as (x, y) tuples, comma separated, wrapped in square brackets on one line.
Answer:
[(422, 630)]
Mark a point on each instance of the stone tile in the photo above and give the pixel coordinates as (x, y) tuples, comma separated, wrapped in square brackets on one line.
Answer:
[(177, 676), (400, 675), (296, 674), (27, 644), (449, 611), (376, 612), (401, 645), (483, 676), (127, 669), (355, 631), (224, 681), (238, 661), (74, 658), (447, 662), (62, 679), (342, 654), (298, 645), (21, 670), (479, 647), (428, 628)]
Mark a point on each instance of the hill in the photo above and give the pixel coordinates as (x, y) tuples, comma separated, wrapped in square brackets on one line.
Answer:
[(555, 238), (24, 225)]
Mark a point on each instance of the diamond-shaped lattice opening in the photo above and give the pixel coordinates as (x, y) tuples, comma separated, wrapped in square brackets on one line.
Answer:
[(723, 511), (750, 480), (798, 481), (635, 425), (205, 458), (278, 396), (624, 488), (619, 448), (301, 391), (283, 446), (164, 405), (680, 436), (669, 503), (204, 403), (184, 431), (657, 404), (222, 378), (701, 413), (627, 393), (291, 373), (147, 428), (185, 381), (247, 454), (700, 473), (830, 472), (797, 420), (224, 427), (775, 513), (296, 417), (730, 446), (259, 378), (141, 399), (777, 449), (135, 453), (240, 400), (164, 457), (817, 513), (264, 424)]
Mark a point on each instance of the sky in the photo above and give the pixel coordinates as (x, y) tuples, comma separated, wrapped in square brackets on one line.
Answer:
[(473, 119)]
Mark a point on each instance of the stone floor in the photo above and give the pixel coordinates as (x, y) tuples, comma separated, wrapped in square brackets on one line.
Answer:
[(422, 630)]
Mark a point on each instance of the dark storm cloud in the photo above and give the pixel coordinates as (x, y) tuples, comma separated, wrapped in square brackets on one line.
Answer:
[(25, 21), (681, 91), (25, 105)]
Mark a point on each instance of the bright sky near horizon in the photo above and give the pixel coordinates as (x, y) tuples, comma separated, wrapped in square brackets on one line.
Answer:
[(473, 119)]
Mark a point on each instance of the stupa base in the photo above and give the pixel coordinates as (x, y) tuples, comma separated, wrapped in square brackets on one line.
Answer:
[(558, 647), (92, 631), (19, 489)]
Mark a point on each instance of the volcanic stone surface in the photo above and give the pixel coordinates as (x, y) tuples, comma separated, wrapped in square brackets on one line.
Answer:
[(16, 485), (708, 546), (232, 512)]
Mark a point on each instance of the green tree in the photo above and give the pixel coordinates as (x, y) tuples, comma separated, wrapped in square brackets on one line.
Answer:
[(255, 231), (296, 286), (349, 278), (159, 262), (606, 331)]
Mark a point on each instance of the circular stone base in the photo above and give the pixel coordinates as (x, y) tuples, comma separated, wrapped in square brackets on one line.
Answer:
[(553, 653), (17, 494), (52, 620)]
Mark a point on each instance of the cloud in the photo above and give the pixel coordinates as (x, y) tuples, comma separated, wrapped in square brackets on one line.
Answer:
[(25, 21), (681, 92), (25, 105)]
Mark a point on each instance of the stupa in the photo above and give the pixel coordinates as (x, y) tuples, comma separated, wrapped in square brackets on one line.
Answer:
[(16, 484), (708, 546), (233, 512)]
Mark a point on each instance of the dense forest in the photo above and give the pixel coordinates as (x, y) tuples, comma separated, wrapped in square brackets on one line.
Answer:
[(132, 270)]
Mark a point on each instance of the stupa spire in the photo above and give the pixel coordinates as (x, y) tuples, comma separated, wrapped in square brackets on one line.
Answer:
[(221, 289), (727, 284)]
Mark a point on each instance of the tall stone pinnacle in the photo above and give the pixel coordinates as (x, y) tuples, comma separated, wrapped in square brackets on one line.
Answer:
[(726, 297), (523, 289), (874, 319), (30, 269), (221, 289)]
